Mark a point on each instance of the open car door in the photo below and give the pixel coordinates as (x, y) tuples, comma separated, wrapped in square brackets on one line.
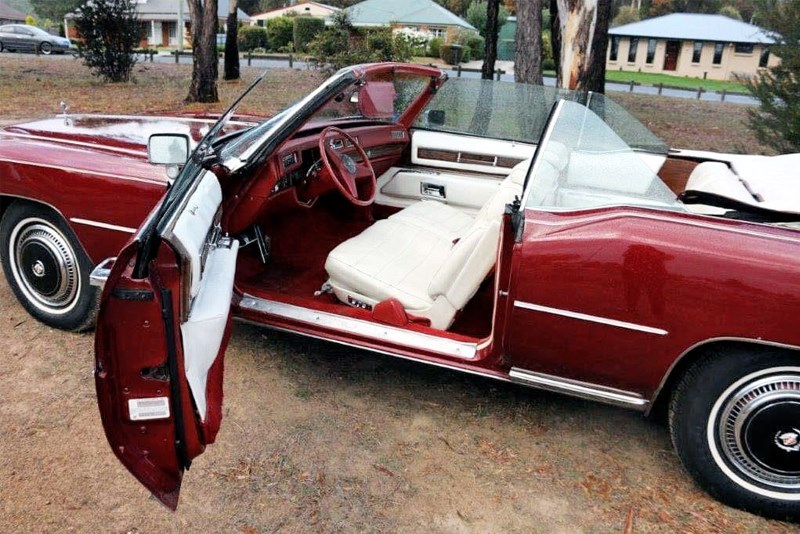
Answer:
[(162, 330)]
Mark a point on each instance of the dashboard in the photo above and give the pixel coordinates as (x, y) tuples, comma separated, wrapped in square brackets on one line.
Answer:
[(290, 179), (297, 162)]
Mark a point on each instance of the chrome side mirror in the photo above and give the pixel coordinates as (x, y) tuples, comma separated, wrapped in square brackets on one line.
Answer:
[(168, 149)]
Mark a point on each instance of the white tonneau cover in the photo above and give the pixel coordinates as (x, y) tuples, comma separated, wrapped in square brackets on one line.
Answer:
[(772, 181)]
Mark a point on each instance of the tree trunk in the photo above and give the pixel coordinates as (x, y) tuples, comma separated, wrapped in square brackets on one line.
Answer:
[(490, 50), (205, 66), (528, 38), (232, 43), (582, 27)]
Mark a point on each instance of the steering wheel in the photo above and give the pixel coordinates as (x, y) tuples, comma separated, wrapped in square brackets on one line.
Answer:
[(344, 170)]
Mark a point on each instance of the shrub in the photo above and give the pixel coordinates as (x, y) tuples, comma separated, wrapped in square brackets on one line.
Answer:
[(305, 30), (340, 45), (251, 37), (476, 45), (280, 32), (414, 42), (451, 53), (476, 15), (433, 47), (111, 31), (379, 43), (466, 55)]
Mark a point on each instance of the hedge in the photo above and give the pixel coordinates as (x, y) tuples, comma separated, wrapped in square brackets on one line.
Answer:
[(280, 33), (477, 46), (251, 37), (433, 46), (447, 52), (305, 30)]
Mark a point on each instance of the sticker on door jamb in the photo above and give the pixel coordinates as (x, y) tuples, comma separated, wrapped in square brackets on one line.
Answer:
[(148, 409)]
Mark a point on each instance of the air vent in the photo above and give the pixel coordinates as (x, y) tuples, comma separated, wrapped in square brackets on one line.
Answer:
[(398, 134)]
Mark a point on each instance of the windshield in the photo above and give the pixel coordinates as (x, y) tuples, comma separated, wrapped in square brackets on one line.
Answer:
[(486, 108), (382, 96), (597, 155)]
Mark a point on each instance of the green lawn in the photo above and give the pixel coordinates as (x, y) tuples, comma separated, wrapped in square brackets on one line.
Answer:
[(647, 78)]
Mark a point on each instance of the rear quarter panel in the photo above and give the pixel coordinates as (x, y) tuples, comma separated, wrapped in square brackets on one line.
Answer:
[(697, 278)]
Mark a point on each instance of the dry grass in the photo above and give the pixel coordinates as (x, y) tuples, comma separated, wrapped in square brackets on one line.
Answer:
[(318, 437)]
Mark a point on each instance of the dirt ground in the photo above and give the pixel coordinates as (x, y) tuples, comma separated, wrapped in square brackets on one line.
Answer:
[(318, 437)]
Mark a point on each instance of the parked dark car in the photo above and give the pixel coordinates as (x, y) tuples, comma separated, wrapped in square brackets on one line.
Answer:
[(24, 38)]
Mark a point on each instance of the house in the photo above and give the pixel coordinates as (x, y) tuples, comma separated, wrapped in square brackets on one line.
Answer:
[(690, 44), (422, 15), (9, 15), (313, 9), (160, 21)]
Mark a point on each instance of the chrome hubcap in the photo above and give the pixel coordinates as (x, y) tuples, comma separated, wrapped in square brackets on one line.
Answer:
[(45, 266), (759, 431)]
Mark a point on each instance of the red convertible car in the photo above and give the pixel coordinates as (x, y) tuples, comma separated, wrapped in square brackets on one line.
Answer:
[(519, 233)]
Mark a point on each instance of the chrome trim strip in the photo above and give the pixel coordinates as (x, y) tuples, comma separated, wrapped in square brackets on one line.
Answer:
[(106, 226), (708, 341), (576, 388), (85, 171), (590, 318), (391, 334), (474, 372)]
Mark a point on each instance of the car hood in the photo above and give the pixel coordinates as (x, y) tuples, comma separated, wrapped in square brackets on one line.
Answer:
[(129, 133)]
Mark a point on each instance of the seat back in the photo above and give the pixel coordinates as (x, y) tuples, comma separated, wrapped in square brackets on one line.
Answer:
[(473, 256)]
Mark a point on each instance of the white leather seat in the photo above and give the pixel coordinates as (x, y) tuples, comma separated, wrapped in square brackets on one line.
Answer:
[(430, 256)]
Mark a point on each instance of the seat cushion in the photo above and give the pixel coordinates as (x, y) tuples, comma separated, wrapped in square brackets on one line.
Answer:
[(717, 178), (446, 221), (388, 259)]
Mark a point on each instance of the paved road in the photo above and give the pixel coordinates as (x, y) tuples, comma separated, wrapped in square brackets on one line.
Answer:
[(610, 86)]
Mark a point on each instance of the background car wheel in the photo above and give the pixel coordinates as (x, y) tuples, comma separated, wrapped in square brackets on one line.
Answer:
[(46, 267), (46, 48), (735, 423), (1, 46)]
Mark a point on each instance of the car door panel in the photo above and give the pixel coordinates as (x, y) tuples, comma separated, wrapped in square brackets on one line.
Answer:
[(460, 170), (160, 345), (400, 187)]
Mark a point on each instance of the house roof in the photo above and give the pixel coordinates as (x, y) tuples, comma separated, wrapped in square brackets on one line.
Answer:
[(417, 12), (9, 13), (315, 9), (695, 27), (168, 10)]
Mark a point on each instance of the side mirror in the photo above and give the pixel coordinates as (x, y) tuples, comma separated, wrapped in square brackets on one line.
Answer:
[(435, 116), (168, 149)]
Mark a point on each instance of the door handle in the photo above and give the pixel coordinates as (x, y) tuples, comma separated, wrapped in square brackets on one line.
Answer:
[(432, 190)]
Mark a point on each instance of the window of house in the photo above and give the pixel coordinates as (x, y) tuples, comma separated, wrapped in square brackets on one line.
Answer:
[(763, 61), (632, 46), (651, 50), (697, 52), (614, 51), (744, 48), (437, 31), (718, 49)]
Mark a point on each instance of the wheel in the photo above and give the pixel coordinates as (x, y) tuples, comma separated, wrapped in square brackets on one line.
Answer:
[(46, 48), (46, 267), (735, 423), (1, 46)]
